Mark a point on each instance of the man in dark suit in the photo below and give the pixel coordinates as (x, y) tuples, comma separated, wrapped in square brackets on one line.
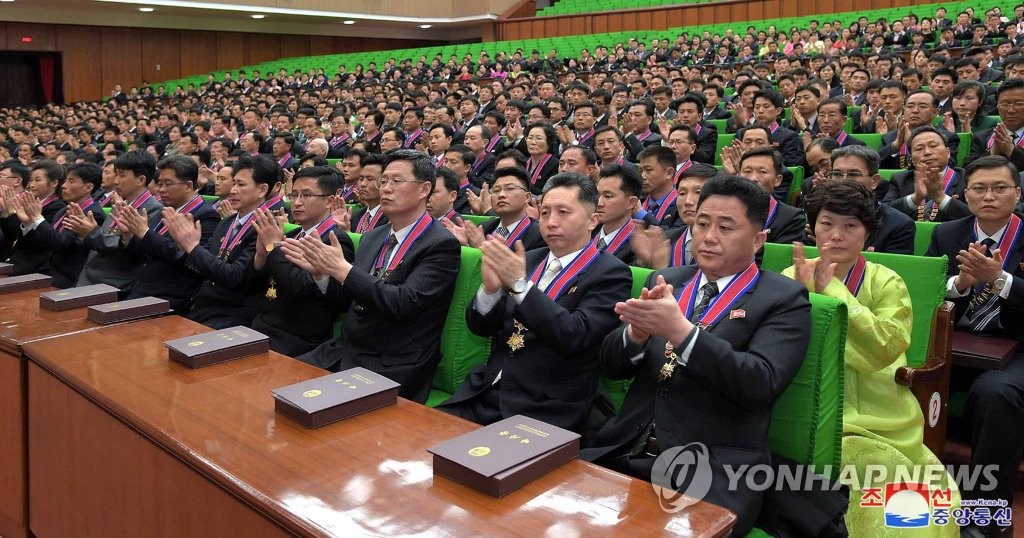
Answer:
[(459, 159), (920, 110), (546, 312), (282, 150), (510, 199), (369, 216), (1007, 138), (396, 294), (110, 261), (895, 232), (658, 166), (707, 372), (933, 190), (785, 223), (227, 297), (162, 271), (619, 191), (767, 109), (689, 111), (45, 178), (832, 120), (67, 254), (643, 133), (295, 313), (987, 286), (482, 169)]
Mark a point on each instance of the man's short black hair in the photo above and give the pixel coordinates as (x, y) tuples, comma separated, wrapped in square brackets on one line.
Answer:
[(632, 181), (750, 194), (587, 193)]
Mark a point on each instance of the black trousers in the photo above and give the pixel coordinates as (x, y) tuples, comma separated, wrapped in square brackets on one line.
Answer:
[(995, 412)]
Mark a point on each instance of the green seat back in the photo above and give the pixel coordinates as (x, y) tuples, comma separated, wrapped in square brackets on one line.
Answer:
[(106, 210), (720, 125), (461, 350), (211, 198), (873, 140), (925, 279), (807, 419), (617, 389), (923, 236), (723, 140), (333, 162), (796, 186), (289, 228), (479, 220), (355, 248), (887, 173)]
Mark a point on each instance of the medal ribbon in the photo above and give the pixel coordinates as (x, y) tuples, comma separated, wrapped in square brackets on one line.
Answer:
[(85, 205), (842, 137), (190, 207), (855, 278), (225, 246), (535, 172), (773, 206), (620, 238), (421, 226), (518, 231), (721, 302), (663, 203), (679, 249), (1009, 238)]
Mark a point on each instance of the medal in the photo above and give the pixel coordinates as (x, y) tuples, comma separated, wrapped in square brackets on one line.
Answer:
[(516, 340), (271, 291), (670, 362)]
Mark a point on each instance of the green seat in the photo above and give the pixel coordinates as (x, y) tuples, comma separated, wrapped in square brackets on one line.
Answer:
[(616, 389), (873, 140), (796, 187), (887, 173), (106, 210), (211, 198), (923, 236), (333, 162), (720, 125), (461, 350), (723, 140), (479, 220)]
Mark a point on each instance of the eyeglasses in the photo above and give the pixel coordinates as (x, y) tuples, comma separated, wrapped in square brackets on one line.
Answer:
[(386, 181), (507, 189), (168, 184), (982, 190), (306, 195), (837, 175), (1012, 105)]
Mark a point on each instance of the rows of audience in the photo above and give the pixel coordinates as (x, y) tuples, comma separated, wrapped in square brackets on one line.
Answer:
[(238, 202)]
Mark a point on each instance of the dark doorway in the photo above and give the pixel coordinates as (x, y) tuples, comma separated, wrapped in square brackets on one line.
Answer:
[(31, 78)]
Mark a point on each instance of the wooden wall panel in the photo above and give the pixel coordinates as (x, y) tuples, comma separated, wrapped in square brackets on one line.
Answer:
[(161, 48), (292, 47), (198, 52), (81, 56), (319, 44), (261, 48), (599, 24), (123, 64), (44, 36), (230, 49)]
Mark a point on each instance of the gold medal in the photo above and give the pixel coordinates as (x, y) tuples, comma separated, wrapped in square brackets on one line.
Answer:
[(271, 291), (670, 362), (516, 340)]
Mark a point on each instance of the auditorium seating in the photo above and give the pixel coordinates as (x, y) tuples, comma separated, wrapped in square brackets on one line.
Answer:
[(928, 356)]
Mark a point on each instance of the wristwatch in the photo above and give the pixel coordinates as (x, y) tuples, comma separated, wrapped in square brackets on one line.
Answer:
[(519, 286), (272, 246), (998, 283)]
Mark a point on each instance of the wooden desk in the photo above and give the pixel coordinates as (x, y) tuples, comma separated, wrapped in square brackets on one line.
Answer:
[(22, 321), (125, 442)]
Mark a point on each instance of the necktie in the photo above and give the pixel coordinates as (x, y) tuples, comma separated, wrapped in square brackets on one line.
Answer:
[(707, 291), (234, 230), (602, 244), (983, 311), (549, 275), (390, 248), (503, 232), (687, 252)]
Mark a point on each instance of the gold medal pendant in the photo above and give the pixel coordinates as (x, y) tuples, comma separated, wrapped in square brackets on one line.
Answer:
[(516, 340), (670, 362), (271, 291)]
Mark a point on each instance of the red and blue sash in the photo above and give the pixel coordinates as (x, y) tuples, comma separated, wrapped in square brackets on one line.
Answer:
[(644, 135), (773, 127), (679, 250), (679, 171), (410, 140), (517, 232), (855, 278), (284, 160), (271, 202), (190, 207), (663, 204), (773, 207), (535, 171), (947, 179), (85, 205), (1009, 239), (620, 238), (421, 226), (492, 144), (338, 140), (842, 137), (367, 224), (230, 241), (575, 267), (722, 302), (48, 200), (580, 139)]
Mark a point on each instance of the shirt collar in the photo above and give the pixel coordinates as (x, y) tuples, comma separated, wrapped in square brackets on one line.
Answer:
[(564, 261), (511, 226), (400, 235), (242, 219), (998, 236), (721, 282), (610, 236)]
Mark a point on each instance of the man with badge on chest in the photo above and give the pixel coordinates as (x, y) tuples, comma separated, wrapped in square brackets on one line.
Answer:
[(162, 271), (227, 297), (710, 348), (546, 312), (294, 312), (510, 196), (986, 283), (397, 292)]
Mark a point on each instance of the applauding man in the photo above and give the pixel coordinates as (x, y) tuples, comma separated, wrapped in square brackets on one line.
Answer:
[(163, 272), (396, 293), (295, 313), (546, 311), (710, 347)]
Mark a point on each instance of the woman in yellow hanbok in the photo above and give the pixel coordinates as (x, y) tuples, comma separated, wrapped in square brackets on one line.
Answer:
[(882, 422)]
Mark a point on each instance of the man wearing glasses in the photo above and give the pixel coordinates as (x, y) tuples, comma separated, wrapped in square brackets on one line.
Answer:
[(162, 269), (986, 282), (1006, 138), (396, 293), (295, 313), (510, 199)]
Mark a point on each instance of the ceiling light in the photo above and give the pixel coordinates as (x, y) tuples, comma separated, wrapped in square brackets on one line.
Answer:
[(147, 9), (6, 0), (258, 16), (349, 22), (425, 26)]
